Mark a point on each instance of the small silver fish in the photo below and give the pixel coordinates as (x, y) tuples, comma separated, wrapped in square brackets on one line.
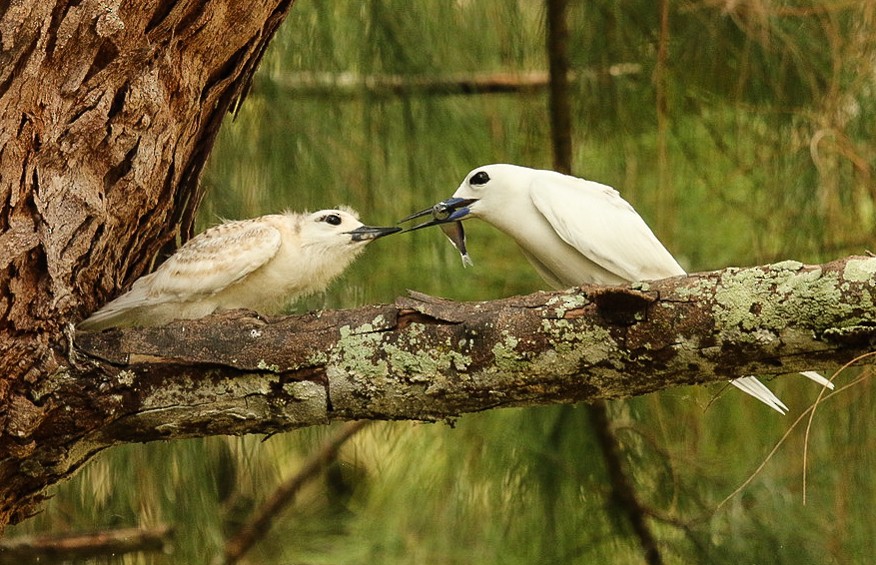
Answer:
[(456, 234)]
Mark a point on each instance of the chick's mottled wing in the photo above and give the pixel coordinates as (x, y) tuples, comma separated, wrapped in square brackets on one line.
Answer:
[(214, 260), (595, 220)]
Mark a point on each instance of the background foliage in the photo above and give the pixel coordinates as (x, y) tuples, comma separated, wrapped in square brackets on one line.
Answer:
[(757, 146)]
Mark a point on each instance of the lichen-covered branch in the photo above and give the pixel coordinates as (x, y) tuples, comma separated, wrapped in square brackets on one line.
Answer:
[(424, 358)]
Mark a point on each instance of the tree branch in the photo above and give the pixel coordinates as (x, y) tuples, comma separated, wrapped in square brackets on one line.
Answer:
[(425, 358), (32, 549), (347, 85)]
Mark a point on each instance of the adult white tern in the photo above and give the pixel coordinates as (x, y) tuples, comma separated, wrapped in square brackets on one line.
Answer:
[(573, 231)]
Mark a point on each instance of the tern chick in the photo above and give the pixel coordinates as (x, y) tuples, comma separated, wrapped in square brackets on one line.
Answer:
[(261, 264)]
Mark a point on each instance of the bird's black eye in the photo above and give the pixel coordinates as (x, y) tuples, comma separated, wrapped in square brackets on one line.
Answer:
[(332, 219), (479, 178)]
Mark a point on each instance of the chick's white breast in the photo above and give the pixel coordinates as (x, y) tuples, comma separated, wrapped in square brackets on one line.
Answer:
[(291, 270)]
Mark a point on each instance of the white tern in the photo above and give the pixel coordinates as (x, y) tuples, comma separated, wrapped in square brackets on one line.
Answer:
[(262, 264), (572, 230)]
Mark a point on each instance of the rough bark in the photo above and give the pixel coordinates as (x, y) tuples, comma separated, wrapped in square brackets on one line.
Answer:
[(107, 114)]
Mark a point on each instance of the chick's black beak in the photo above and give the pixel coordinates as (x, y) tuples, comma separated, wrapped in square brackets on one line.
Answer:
[(450, 210), (365, 233)]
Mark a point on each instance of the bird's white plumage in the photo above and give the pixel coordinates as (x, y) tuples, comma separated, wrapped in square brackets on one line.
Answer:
[(572, 230), (261, 264), (575, 231), (595, 220), (216, 259)]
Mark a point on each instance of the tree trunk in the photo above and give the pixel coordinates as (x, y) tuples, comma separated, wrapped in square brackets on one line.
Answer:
[(107, 114)]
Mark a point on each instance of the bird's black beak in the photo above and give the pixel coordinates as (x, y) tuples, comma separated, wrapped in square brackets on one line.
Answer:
[(366, 233), (450, 210)]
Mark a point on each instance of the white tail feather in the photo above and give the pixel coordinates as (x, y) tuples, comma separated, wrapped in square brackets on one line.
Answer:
[(757, 389), (817, 377)]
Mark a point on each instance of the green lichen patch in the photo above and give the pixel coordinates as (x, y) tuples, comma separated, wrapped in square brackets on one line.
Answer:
[(593, 342), (262, 365), (860, 270), (317, 359), (742, 301), (566, 302), (805, 282), (694, 291), (788, 265), (378, 324), (505, 353), (409, 355), (353, 355), (768, 302)]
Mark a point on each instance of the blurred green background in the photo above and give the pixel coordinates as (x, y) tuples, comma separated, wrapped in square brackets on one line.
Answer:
[(750, 141)]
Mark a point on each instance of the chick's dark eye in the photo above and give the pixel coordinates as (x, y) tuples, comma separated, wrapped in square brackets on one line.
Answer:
[(332, 219), (479, 178)]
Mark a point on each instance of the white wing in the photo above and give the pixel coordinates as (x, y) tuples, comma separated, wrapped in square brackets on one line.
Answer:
[(595, 220), (214, 260), (208, 263)]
